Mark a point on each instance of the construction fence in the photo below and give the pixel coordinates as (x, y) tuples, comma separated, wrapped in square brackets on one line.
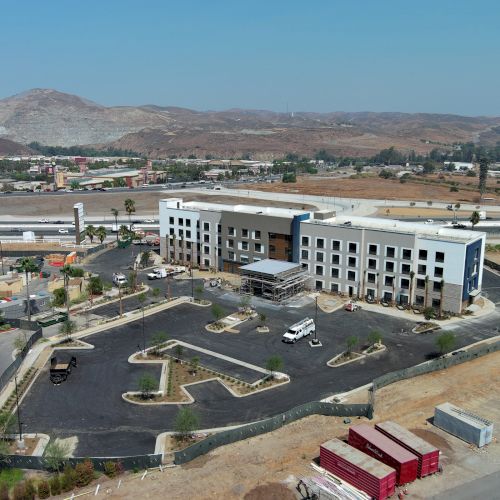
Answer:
[(270, 424)]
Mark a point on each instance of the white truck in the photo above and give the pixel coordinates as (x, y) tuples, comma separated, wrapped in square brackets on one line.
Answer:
[(298, 330), (159, 273), (119, 279)]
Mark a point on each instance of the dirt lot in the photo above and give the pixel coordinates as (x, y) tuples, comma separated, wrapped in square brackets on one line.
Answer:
[(101, 203), (424, 213), (257, 468), (374, 187)]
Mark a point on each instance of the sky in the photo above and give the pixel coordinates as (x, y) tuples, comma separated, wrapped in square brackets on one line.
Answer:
[(439, 56)]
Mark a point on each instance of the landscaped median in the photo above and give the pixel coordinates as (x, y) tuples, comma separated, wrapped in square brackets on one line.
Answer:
[(350, 356), (178, 374)]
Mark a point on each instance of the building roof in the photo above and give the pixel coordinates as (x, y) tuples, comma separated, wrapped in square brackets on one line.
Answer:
[(270, 266), (420, 229)]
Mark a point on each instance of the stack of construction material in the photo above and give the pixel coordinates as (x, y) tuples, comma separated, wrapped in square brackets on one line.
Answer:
[(358, 469), (374, 443), (428, 455), (463, 424)]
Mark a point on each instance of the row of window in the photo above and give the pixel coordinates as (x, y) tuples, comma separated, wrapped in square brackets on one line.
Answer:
[(244, 245), (373, 249), (245, 233)]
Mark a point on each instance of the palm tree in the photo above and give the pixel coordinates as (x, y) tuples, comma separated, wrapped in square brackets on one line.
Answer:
[(90, 231), (474, 218), (28, 266), (114, 213), (101, 233), (412, 277), (129, 208), (124, 232), (66, 272), (426, 290)]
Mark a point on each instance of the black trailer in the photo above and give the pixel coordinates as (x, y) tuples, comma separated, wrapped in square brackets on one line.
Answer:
[(59, 370)]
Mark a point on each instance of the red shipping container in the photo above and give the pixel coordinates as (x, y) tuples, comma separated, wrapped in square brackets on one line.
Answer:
[(428, 455), (357, 468), (374, 443)]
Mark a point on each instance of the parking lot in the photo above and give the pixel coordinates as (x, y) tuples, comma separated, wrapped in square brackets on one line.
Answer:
[(89, 405)]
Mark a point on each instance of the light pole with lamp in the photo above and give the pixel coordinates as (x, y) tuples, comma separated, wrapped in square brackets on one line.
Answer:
[(20, 443)]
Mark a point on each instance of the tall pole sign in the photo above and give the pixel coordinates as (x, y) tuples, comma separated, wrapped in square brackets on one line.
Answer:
[(79, 216)]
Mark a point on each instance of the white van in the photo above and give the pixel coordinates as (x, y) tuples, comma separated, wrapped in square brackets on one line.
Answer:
[(119, 279), (298, 330)]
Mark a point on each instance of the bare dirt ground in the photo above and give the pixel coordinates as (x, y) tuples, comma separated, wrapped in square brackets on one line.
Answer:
[(102, 203), (257, 469), (374, 187)]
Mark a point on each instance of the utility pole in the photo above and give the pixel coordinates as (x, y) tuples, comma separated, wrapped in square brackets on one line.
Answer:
[(192, 283), (20, 443), (1, 257), (315, 340)]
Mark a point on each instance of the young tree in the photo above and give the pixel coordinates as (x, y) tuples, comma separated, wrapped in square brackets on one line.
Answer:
[(245, 301), (155, 292), (55, 454), (67, 328), (59, 297), (474, 218), (145, 258), (429, 313), (101, 233), (217, 312), (147, 384), (28, 266), (186, 422), (90, 231), (158, 341), (178, 350), (375, 337), (94, 287), (445, 342), (132, 281), (262, 319), (195, 361), (274, 364), (351, 343), (198, 292)]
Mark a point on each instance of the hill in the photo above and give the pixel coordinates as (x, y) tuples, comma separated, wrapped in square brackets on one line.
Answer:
[(55, 118), (8, 147)]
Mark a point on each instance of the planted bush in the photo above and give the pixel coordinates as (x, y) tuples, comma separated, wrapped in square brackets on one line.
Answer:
[(43, 489), (19, 492), (113, 469), (55, 485), (68, 479), (84, 473)]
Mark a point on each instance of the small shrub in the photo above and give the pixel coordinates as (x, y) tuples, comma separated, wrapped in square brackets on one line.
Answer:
[(29, 490), (84, 473), (113, 469), (43, 489), (19, 492), (68, 479)]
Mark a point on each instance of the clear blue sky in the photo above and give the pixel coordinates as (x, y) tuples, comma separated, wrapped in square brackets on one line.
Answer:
[(327, 55)]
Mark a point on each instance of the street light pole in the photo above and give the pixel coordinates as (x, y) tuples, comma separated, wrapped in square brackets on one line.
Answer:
[(21, 442), (315, 341), (1, 257), (192, 283)]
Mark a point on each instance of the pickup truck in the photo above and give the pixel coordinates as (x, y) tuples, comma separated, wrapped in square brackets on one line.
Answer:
[(298, 330), (159, 273)]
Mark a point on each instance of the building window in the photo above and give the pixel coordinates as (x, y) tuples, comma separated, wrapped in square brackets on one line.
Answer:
[(372, 249), (181, 221), (438, 272), (422, 269), (420, 283), (436, 286), (206, 262), (230, 255), (188, 234), (335, 272), (272, 236), (334, 287), (389, 267), (405, 283), (305, 254), (319, 285), (320, 243), (181, 233), (188, 222), (439, 256), (171, 221), (319, 270), (371, 277), (351, 261), (230, 243), (353, 247), (390, 252), (206, 238), (320, 256), (244, 259), (335, 259), (257, 235), (305, 241), (335, 245), (388, 280), (422, 254), (244, 245), (436, 303), (351, 275), (405, 268), (305, 266), (206, 250), (419, 300), (258, 247), (372, 264), (206, 226), (188, 245), (231, 231), (219, 228), (172, 232), (244, 233), (406, 254)]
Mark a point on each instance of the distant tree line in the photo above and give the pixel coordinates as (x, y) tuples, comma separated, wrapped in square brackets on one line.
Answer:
[(80, 151)]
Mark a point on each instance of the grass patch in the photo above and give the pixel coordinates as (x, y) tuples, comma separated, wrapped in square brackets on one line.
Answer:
[(11, 477)]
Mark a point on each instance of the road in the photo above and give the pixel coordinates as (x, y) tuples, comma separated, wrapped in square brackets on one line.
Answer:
[(484, 488)]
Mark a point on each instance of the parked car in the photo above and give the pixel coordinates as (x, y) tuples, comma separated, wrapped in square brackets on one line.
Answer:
[(148, 221), (352, 306), (298, 330), (429, 221), (43, 221), (119, 279)]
